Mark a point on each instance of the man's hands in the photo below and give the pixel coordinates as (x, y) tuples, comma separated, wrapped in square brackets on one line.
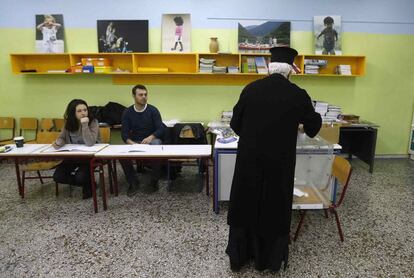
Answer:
[(300, 128), (148, 139), (144, 141)]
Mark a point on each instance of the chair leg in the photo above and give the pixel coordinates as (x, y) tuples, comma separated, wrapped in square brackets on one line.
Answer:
[(302, 214), (338, 224), (40, 177), (326, 213), (57, 189)]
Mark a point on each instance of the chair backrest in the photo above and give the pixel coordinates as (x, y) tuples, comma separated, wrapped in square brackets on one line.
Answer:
[(46, 124), (28, 124), (59, 124), (341, 170), (7, 123), (189, 133), (47, 137), (105, 133)]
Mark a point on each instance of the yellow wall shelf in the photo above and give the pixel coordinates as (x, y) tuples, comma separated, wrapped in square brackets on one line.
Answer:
[(183, 68)]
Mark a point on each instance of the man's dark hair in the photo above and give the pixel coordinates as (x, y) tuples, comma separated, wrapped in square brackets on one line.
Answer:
[(139, 86), (71, 122), (328, 20)]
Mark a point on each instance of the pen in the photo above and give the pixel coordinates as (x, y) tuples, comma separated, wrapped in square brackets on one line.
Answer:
[(162, 148)]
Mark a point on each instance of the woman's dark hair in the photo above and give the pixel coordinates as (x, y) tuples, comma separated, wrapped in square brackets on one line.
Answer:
[(71, 122), (179, 20)]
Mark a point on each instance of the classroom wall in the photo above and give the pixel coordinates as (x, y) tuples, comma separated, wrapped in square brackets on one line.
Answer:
[(384, 96)]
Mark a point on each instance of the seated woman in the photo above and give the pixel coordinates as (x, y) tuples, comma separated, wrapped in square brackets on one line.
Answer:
[(80, 128)]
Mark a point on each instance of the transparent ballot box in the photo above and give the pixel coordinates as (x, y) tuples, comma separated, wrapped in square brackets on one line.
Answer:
[(314, 187)]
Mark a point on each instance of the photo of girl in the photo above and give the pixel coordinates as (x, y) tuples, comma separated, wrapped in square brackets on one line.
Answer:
[(49, 34), (176, 31)]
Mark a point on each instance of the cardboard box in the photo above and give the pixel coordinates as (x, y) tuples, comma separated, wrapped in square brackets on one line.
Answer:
[(97, 62), (330, 133), (103, 69)]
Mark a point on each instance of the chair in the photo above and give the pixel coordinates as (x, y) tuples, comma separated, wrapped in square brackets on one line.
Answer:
[(187, 134), (58, 124), (28, 124), (43, 137), (7, 126), (47, 124), (341, 171)]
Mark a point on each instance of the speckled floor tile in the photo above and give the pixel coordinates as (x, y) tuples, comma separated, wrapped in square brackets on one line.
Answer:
[(176, 234)]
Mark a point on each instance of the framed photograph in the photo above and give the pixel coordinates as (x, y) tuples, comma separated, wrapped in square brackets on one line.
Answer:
[(327, 33), (49, 33), (176, 33), (123, 35), (259, 36)]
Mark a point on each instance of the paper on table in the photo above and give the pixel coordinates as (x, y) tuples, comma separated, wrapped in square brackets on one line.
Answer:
[(299, 193), (133, 148), (74, 148)]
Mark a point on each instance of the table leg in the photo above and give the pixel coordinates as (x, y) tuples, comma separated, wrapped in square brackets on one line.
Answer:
[(19, 180), (103, 189), (115, 177)]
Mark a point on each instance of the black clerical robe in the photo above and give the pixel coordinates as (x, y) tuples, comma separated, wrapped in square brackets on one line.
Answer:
[(266, 118)]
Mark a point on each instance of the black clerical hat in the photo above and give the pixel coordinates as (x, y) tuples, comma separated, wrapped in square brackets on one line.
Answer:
[(283, 55)]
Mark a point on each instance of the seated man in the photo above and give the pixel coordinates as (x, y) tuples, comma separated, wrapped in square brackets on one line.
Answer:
[(141, 124)]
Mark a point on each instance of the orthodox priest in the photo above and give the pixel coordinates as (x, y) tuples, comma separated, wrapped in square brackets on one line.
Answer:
[(267, 118)]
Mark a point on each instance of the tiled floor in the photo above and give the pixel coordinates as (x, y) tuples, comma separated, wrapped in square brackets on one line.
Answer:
[(176, 234)]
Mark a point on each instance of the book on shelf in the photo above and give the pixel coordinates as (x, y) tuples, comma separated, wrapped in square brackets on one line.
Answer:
[(296, 69), (344, 69), (261, 65), (151, 69), (316, 62), (251, 65), (233, 69)]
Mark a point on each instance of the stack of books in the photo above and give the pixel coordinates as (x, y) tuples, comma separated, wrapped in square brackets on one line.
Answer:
[(206, 65), (333, 112), (344, 70), (217, 69), (321, 107), (328, 112), (312, 66), (226, 116), (233, 69)]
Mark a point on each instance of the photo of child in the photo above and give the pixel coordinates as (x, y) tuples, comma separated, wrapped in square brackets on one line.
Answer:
[(49, 33), (176, 31), (178, 20), (327, 35)]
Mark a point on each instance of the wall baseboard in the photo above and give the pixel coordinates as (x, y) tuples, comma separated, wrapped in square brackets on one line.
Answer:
[(385, 156)]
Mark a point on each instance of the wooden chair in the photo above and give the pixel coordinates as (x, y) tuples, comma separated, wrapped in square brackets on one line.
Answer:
[(30, 125), (58, 124), (7, 126), (47, 124), (43, 137), (341, 171)]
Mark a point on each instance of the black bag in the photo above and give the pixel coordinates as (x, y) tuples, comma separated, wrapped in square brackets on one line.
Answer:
[(96, 111), (189, 133), (112, 113)]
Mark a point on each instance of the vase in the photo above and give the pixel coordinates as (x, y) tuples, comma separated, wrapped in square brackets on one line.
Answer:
[(214, 47)]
